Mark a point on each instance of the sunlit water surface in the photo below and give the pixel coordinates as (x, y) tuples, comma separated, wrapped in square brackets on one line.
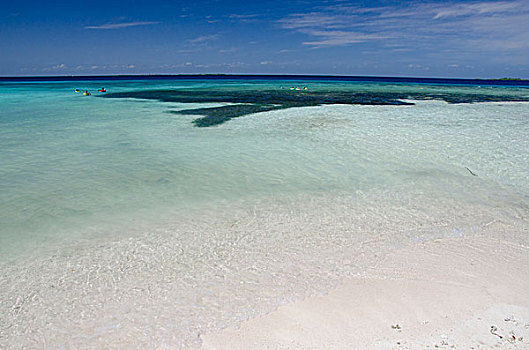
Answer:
[(123, 223)]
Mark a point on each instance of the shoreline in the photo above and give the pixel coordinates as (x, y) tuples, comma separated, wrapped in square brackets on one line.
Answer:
[(127, 294), (177, 285), (467, 292)]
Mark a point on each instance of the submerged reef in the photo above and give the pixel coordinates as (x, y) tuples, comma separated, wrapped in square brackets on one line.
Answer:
[(218, 115), (244, 102)]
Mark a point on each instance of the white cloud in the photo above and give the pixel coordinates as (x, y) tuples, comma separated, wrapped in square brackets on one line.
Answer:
[(60, 66), (477, 25), (230, 50), (339, 37), (201, 66), (244, 18), (120, 25), (479, 8), (203, 38), (418, 66), (237, 16), (315, 20)]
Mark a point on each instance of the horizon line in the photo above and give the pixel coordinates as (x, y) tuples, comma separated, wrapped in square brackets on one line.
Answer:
[(249, 75)]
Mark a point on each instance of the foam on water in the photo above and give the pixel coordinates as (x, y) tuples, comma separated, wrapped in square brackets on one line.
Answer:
[(124, 224)]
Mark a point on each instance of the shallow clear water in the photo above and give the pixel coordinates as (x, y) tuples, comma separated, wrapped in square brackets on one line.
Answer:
[(152, 228)]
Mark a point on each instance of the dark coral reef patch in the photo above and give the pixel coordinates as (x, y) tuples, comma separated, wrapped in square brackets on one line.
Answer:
[(250, 101)]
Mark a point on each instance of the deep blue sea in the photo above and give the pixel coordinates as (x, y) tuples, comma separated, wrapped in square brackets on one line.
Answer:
[(165, 207)]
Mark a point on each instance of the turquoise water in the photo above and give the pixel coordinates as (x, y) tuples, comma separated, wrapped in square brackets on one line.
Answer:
[(95, 184)]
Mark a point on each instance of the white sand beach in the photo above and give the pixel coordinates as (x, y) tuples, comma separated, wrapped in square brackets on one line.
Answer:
[(458, 293)]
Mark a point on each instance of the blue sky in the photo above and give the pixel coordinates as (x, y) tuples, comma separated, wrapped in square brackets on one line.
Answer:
[(383, 38)]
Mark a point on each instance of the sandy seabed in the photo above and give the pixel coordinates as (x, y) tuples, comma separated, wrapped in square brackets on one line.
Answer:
[(456, 293)]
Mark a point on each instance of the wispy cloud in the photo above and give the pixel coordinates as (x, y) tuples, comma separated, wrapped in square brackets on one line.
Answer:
[(483, 25), (201, 66), (328, 20), (63, 68), (230, 50), (121, 25), (340, 37), (479, 8), (203, 38), (244, 18), (57, 67)]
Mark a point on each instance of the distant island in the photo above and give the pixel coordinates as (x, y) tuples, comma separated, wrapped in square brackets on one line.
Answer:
[(502, 79)]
